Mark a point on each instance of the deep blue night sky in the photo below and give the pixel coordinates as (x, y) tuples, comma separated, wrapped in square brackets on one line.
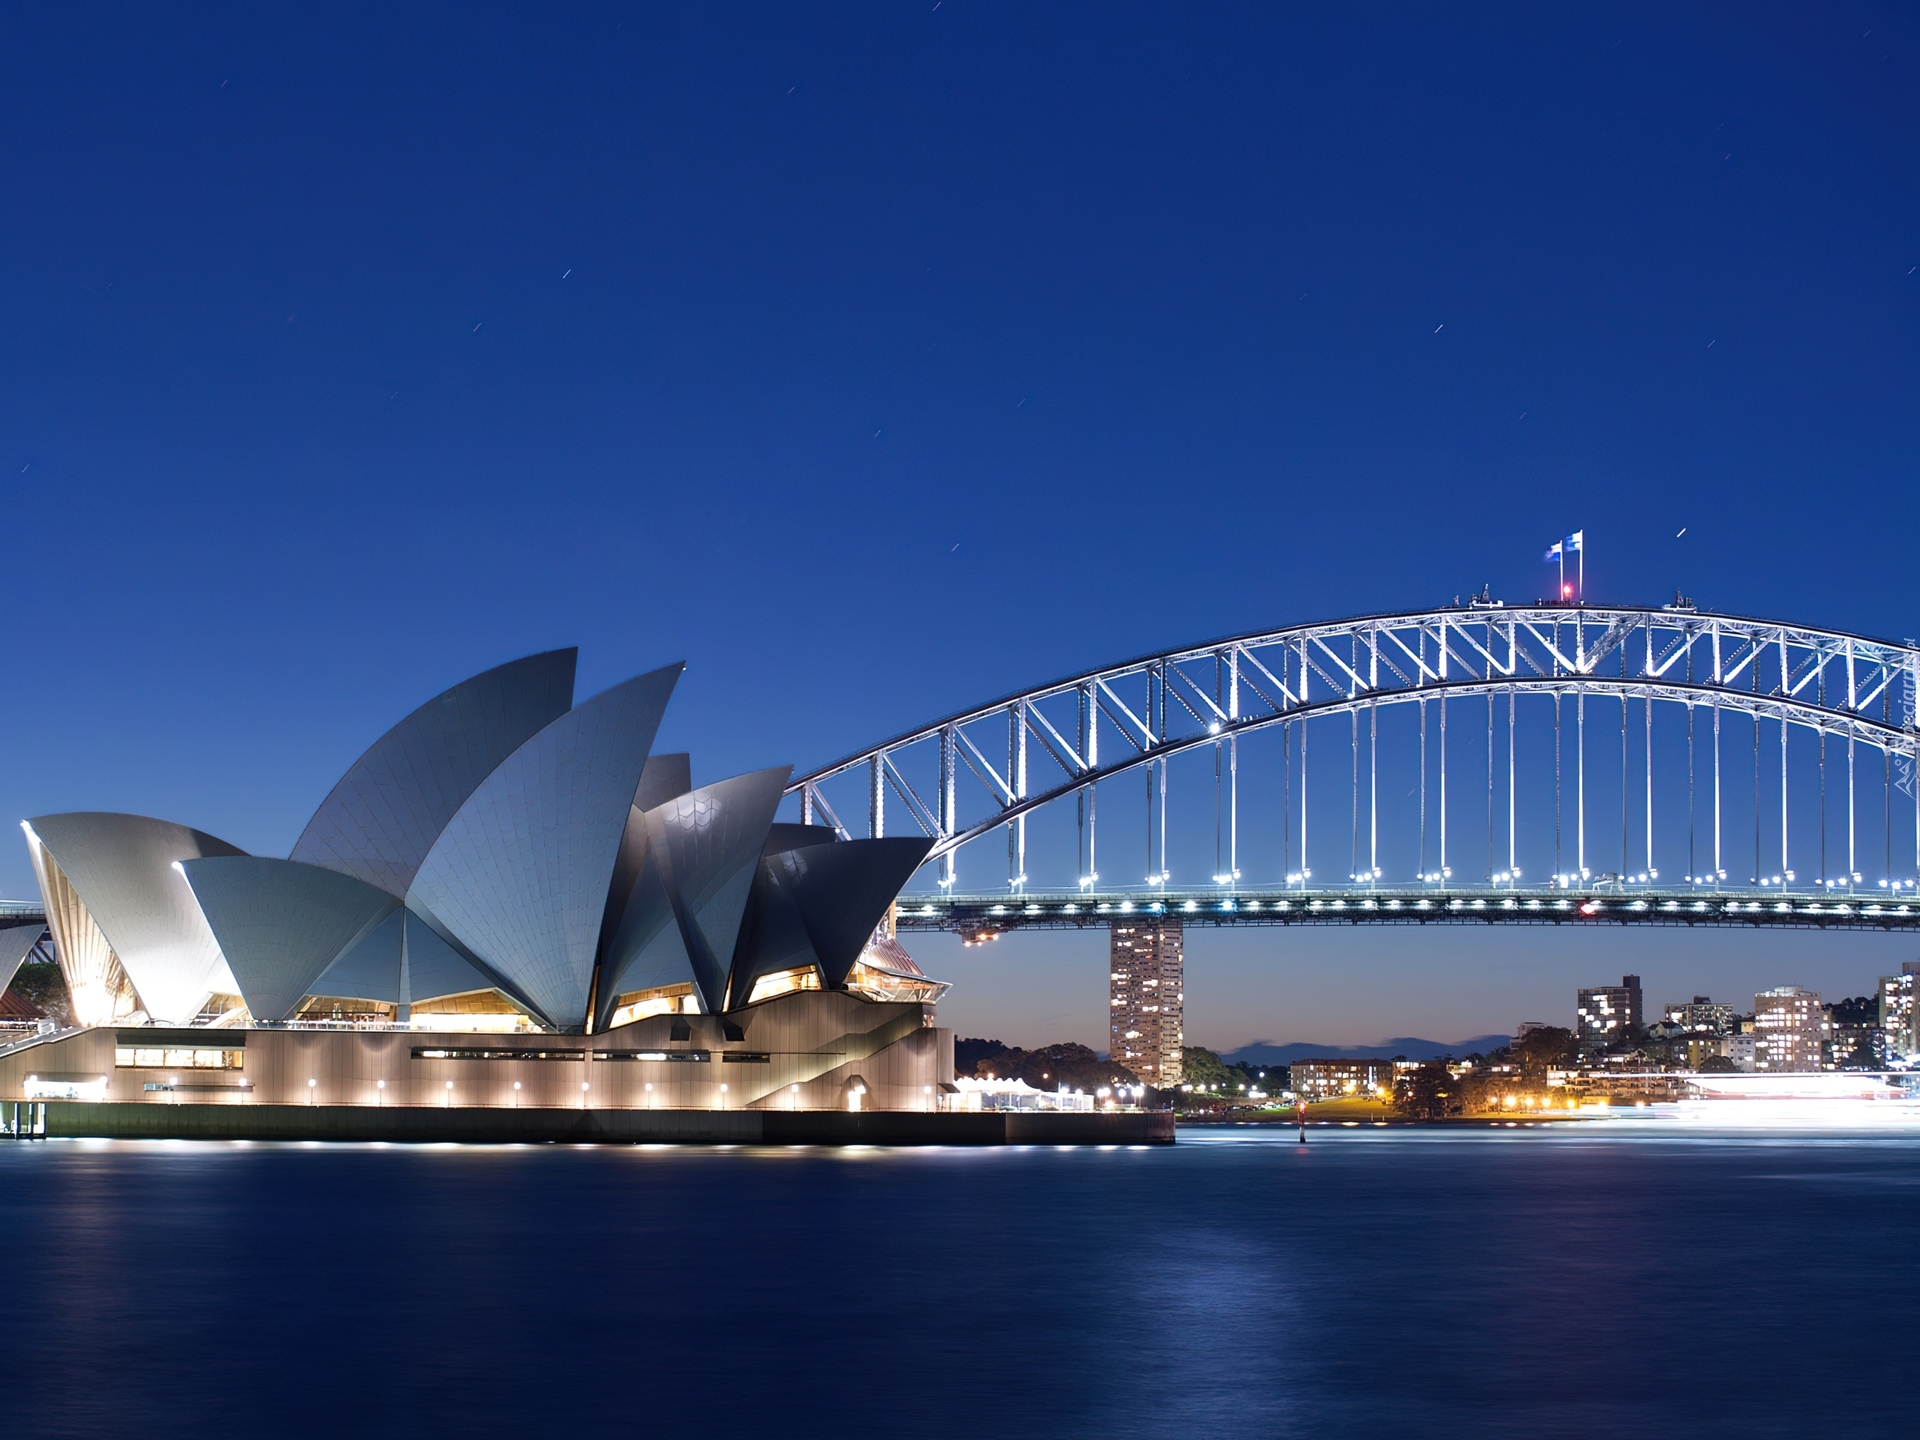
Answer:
[(344, 355)]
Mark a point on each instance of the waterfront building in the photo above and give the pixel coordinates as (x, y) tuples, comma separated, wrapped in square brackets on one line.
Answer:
[(1789, 1029), (1896, 1011), (1701, 1015), (1330, 1079), (1605, 1015), (506, 889), (1145, 1000), (972, 1094)]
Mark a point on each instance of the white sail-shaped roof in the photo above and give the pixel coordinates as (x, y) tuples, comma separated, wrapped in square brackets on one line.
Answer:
[(382, 818), (369, 970), (122, 869), (16, 942), (95, 981), (684, 915), (648, 950), (664, 777), (520, 874), (401, 962), (280, 924), (842, 892)]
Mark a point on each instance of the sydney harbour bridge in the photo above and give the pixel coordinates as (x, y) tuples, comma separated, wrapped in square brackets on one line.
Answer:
[(1482, 762)]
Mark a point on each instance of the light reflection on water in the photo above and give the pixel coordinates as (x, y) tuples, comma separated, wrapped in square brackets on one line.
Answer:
[(1584, 1278)]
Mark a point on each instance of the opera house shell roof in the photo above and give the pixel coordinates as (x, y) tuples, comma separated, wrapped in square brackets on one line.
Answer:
[(502, 854)]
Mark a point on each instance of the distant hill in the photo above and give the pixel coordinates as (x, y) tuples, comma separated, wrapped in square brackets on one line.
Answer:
[(1262, 1052)]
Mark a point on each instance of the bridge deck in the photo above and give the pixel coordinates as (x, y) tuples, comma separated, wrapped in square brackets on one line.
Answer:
[(992, 914)]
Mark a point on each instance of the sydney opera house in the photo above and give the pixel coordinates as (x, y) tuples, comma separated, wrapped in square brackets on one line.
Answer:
[(508, 900)]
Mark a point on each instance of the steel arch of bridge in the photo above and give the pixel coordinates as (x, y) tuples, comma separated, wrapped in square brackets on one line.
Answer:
[(1850, 688)]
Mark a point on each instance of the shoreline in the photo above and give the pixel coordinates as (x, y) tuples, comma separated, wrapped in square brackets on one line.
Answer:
[(493, 1125)]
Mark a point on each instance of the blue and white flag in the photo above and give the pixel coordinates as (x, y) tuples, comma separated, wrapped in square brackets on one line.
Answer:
[(1575, 541), (1554, 553)]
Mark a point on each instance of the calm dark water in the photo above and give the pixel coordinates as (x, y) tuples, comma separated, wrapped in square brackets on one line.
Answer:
[(1591, 1281)]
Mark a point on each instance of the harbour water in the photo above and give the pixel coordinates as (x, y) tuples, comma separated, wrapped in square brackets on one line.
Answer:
[(1592, 1279)]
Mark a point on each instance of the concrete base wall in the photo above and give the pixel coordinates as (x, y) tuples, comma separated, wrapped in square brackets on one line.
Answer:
[(805, 1051), (497, 1126)]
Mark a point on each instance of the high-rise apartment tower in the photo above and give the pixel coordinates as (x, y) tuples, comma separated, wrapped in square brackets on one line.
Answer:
[(1145, 994)]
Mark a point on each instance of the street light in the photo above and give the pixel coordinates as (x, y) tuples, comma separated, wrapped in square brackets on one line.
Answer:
[(381, 1097), (310, 1085)]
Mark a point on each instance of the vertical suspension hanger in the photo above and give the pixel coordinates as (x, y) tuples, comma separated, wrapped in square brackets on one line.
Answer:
[(1693, 867), (1442, 667), (1166, 870), (1233, 765), (1286, 798), (1820, 692), (1489, 771), (1754, 670), (1219, 848), (1149, 776), (1559, 867), (1786, 681), (1580, 781), (1886, 781), (1853, 705), (1646, 704), (1786, 860), (1513, 672), (1513, 843), (1625, 745), (1423, 787), (1373, 755), (1719, 865)]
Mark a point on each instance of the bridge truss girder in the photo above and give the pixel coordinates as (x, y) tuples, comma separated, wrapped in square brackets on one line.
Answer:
[(1154, 708)]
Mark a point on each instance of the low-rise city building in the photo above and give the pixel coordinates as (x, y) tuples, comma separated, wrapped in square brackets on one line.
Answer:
[(1328, 1079)]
